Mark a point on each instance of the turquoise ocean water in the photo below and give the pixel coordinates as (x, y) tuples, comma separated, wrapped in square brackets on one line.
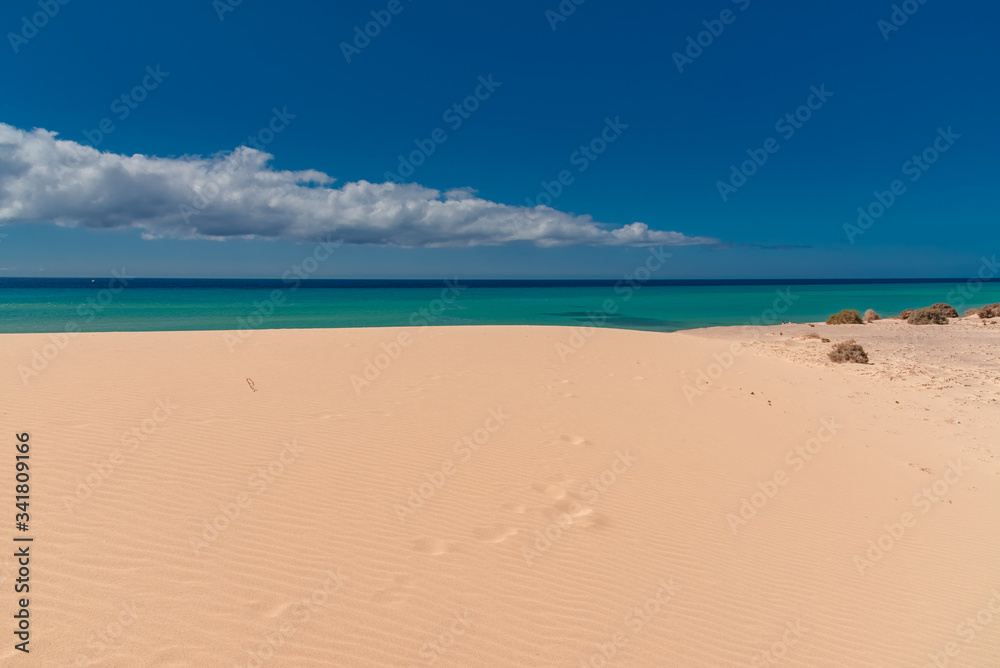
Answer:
[(54, 305)]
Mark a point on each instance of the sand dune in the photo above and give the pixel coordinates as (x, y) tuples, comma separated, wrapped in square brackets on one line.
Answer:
[(509, 496)]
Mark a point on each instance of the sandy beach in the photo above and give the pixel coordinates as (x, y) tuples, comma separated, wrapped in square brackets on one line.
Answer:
[(509, 496)]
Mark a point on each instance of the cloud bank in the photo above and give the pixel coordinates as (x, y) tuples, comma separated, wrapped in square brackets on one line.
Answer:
[(239, 194)]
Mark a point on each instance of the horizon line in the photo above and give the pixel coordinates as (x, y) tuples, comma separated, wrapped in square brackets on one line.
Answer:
[(547, 279)]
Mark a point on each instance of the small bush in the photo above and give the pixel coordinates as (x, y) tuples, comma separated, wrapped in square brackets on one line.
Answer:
[(947, 310), (944, 310), (871, 316), (849, 351), (927, 316), (971, 311), (846, 317), (990, 311)]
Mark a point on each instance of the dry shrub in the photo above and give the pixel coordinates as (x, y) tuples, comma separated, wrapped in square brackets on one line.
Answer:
[(971, 311), (871, 316), (846, 317), (927, 316), (947, 310), (849, 351), (939, 311), (990, 311)]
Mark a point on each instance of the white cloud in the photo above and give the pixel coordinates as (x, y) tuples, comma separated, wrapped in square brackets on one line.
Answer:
[(238, 194)]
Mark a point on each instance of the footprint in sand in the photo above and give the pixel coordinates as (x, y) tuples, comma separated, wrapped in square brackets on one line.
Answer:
[(431, 546), (582, 517), (574, 440), (278, 611), (494, 534), (551, 491), (572, 508)]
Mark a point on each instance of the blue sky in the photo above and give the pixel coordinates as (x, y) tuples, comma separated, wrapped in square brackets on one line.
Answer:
[(607, 76)]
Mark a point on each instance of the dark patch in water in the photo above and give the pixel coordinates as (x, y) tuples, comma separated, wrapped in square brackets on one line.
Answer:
[(597, 318)]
